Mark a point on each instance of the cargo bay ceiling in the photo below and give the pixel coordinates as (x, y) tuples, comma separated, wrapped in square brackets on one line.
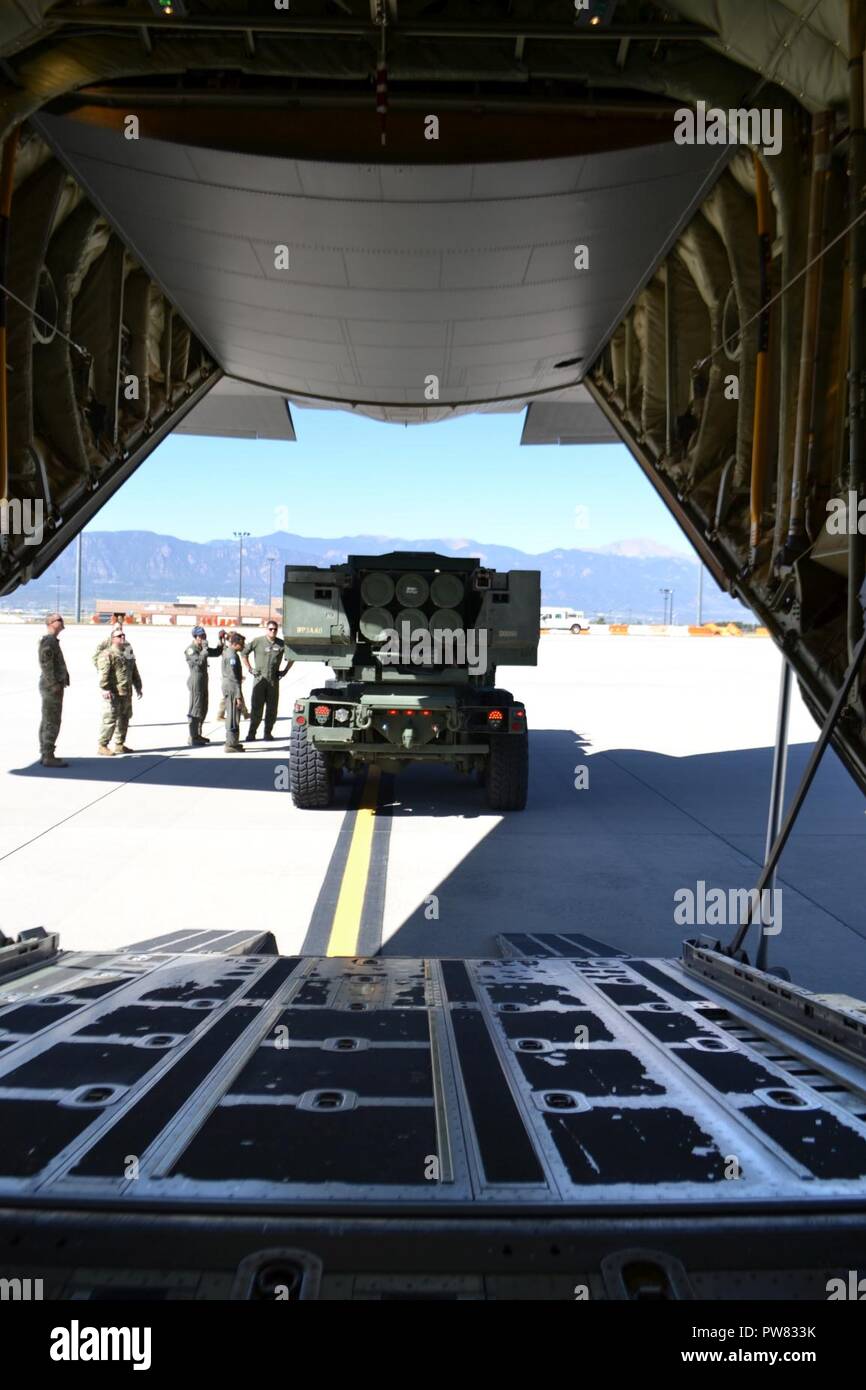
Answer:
[(416, 208)]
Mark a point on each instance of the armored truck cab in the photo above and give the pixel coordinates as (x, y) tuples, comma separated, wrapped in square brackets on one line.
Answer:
[(413, 639)]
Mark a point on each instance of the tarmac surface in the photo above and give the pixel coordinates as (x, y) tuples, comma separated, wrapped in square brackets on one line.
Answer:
[(676, 736)]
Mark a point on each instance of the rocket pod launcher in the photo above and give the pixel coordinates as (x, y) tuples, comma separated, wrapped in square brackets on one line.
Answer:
[(413, 639), (343, 615)]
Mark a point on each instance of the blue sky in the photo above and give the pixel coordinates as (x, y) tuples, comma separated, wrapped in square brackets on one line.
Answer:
[(347, 475)]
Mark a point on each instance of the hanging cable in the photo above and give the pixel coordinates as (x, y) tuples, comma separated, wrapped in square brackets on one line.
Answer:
[(10, 150), (778, 295), (382, 71), (4, 290)]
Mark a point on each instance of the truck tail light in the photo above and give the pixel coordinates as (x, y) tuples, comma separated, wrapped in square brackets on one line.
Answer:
[(494, 716)]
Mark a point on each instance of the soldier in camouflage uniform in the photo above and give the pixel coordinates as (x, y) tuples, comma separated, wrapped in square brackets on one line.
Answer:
[(127, 652), (268, 654), (223, 639), (232, 683), (53, 680), (197, 654), (118, 677)]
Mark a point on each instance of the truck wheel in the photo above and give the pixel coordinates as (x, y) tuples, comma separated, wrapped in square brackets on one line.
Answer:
[(576, 629), (508, 772), (311, 781)]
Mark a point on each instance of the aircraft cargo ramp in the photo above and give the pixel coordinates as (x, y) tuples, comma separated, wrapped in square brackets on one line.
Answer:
[(596, 1113)]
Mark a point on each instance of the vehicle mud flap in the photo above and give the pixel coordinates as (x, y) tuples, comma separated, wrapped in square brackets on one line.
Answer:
[(645, 1275)]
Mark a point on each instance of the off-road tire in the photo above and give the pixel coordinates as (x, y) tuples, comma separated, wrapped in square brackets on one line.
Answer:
[(311, 780), (507, 772)]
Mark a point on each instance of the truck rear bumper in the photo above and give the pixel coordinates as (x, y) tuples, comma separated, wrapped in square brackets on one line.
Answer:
[(370, 752)]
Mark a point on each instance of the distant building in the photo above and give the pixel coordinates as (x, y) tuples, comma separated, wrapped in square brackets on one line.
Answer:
[(187, 611)]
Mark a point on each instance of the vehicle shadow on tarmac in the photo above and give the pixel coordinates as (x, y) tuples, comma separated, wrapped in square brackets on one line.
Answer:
[(608, 858), (434, 790)]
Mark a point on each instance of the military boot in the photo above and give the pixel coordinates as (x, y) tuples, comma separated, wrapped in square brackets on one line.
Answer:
[(50, 761)]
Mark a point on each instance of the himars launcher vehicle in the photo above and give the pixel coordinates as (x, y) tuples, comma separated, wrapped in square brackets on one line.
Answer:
[(413, 639)]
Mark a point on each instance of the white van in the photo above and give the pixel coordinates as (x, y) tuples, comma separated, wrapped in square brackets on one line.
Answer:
[(559, 619)]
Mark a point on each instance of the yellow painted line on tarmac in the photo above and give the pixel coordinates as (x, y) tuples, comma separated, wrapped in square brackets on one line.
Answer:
[(346, 926)]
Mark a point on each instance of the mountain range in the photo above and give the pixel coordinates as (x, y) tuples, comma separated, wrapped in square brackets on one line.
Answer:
[(620, 581)]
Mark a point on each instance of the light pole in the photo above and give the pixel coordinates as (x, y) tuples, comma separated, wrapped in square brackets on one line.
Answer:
[(666, 593), (270, 559), (240, 537)]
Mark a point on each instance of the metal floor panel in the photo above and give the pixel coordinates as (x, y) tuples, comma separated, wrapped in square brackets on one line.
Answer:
[(572, 1082)]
